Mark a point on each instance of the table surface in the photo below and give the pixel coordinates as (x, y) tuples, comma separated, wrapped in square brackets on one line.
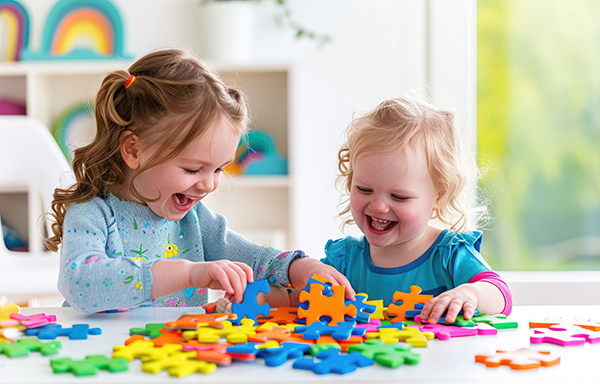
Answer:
[(442, 361)]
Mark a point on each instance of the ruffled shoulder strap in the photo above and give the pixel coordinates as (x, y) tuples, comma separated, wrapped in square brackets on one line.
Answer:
[(468, 239), (338, 251)]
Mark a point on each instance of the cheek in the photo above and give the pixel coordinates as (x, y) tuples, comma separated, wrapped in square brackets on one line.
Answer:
[(357, 203)]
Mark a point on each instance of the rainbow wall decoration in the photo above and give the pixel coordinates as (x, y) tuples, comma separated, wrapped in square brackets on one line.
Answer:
[(257, 155), (81, 29), (14, 33)]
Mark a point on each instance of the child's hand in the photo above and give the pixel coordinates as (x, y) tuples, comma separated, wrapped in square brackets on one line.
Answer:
[(302, 269), (229, 276), (457, 299)]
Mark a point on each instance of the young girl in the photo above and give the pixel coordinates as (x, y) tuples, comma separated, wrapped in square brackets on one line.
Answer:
[(402, 167), (132, 229)]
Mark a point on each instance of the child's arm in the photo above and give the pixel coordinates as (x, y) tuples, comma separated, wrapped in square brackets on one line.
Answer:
[(302, 269), (174, 275)]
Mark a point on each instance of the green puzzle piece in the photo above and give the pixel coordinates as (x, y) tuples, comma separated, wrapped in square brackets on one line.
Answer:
[(29, 344), (316, 348), (496, 321), (389, 355), (459, 322), (151, 330), (89, 366)]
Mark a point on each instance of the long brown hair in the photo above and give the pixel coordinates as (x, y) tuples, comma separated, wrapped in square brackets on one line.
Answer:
[(172, 90)]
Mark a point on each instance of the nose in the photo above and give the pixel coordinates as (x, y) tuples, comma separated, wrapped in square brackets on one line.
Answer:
[(208, 183), (379, 206)]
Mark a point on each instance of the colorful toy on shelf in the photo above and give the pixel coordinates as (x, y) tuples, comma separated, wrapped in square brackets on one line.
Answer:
[(75, 126), (11, 107), (15, 36), (81, 29), (257, 155), (519, 359)]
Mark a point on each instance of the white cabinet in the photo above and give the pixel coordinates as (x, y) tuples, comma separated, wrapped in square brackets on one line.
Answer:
[(257, 206)]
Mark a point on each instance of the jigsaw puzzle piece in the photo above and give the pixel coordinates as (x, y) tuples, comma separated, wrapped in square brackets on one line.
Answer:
[(565, 335), (408, 301), (332, 361), (519, 359), (249, 307), (275, 357), (29, 344), (363, 309), (496, 321), (31, 321), (90, 366), (52, 331), (151, 330), (389, 355), (583, 322), (321, 305), (179, 364), (342, 331), (281, 315), (411, 335)]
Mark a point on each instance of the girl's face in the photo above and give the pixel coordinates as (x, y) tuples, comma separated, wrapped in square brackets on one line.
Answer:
[(392, 197), (183, 181)]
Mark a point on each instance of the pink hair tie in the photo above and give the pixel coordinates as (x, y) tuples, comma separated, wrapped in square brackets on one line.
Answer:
[(129, 81), (226, 89)]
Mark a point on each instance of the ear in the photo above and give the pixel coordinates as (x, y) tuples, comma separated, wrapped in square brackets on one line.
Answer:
[(130, 149), (439, 197)]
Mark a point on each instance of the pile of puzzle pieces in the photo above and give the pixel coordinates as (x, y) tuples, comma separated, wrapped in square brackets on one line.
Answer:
[(326, 333)]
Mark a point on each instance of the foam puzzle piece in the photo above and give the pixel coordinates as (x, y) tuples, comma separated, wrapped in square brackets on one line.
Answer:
[(315, 349), (458, 322), (445, 332), (7, 309), (32, 321), (152, 330), (363, 309), (281, 334), (343, 344), (281, 315), (249, 307), (90, 366), (583, 322), (332, 361), (216, 353), (408, 301), (29, 344), (565, 335), (389, 355), (411, 335), (275, 357), (144, 350), (250, 349), (52, 331), (193, 321), (520, 359), (378, 313), (179, 364), (373, 325), (234, 334), (10, 334), (321, 305), (342, 331), (496, 321)]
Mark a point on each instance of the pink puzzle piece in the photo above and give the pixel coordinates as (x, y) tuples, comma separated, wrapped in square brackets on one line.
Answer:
[(32, 321), (565, 335), (445, 332), (591, 324)]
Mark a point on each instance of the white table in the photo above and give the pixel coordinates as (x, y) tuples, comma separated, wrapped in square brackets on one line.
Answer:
[(450, 361)]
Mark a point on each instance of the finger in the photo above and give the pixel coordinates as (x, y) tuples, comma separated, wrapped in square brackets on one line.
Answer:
[(238, 284), (439, 308), (427, 309), (453, 309), (220, 276), (247, 270), (241, 277), (469, 310)]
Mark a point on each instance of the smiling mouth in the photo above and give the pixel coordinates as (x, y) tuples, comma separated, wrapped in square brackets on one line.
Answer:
[(181, 200), (381, 225)]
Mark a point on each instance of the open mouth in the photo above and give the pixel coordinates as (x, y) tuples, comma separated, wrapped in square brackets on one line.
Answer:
[(379, 225), (182, 202)]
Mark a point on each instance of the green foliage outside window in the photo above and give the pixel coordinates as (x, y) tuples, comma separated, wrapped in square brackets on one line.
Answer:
[(539, 131)]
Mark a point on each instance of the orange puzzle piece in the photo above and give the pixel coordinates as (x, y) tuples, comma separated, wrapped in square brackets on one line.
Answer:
[(408, 302), (520, 359), (321, 305), (583, 322)]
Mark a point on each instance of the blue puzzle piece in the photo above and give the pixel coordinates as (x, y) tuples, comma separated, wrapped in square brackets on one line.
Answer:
[(334, 362), (399, 325), (249, 307), (275, 357), (411, 313), (52, 331), (363, 311), (249, 347), (342, 331)]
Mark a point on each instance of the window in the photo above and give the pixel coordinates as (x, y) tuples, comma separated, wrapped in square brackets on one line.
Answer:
[(538, 125)]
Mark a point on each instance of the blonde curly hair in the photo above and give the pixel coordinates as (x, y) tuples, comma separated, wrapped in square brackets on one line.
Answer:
[(403, 122)]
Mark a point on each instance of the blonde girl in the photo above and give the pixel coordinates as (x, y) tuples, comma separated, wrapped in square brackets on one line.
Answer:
[(402, 170)]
